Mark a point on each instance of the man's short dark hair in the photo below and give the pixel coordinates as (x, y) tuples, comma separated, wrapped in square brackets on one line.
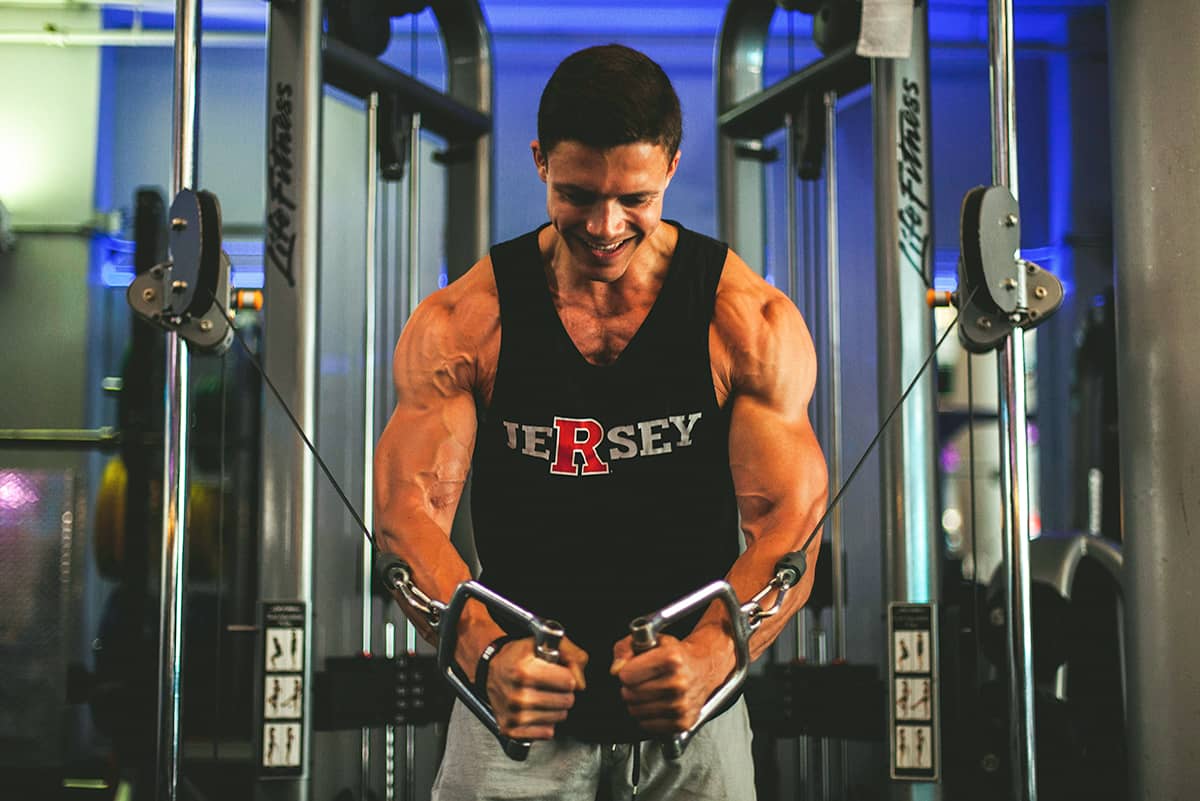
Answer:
[(607, 96)]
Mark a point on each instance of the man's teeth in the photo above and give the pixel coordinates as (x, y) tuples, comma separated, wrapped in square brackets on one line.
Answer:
[(606, 248)]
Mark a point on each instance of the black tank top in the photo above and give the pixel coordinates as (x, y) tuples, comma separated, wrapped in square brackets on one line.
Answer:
[(602, 493)]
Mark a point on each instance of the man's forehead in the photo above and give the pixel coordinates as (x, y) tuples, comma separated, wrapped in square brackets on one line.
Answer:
[(642, 150)]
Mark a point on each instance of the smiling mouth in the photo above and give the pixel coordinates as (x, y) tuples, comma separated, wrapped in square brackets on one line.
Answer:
[(604, 249)]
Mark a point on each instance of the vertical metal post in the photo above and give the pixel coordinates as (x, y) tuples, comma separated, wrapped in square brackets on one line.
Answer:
[(175, 418), (790, 215), (414, 298), (833, 372), (1154, 66), (904, 261), (790, 284), (904, 255), (414, 236), (370, 346), (1014, 459), (389, 736), (291, 259)]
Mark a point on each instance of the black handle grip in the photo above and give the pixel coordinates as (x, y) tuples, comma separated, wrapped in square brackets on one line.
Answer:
[(791, 568), (393, 571)]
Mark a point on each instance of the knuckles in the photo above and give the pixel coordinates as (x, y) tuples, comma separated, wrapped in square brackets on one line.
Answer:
[(674, 661)]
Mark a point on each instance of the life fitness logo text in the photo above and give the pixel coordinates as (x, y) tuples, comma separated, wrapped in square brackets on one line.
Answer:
[(582, 446)]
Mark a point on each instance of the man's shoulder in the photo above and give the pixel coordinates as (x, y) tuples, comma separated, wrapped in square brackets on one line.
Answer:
[(465, 304), (748, 307), (758, 338), (455, 330)]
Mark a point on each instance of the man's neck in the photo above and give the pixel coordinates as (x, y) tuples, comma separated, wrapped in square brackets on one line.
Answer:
[(638, 285)]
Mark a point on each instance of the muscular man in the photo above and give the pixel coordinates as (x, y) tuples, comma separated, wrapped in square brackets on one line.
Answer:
[(623, 391)]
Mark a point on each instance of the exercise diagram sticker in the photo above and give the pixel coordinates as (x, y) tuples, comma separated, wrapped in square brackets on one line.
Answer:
[(285, 649), (281, 711), (281, 746), (914, 698), (911, 650), (913, 687), (284, 698)]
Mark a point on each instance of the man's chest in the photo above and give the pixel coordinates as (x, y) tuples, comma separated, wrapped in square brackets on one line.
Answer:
[(601, 346), (601, 339)]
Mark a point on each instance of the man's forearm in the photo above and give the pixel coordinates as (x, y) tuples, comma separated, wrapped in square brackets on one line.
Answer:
[(748, 575), (438, 569)]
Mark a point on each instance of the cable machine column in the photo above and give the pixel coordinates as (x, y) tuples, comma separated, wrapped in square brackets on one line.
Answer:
[(175, 417), (1014, 458), (1154, 68), (414, 299), (835, 786), (289, 356), (904, 263), (370, 349)]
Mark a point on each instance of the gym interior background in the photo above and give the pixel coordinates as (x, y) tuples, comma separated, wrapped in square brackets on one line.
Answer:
[(86, 148)]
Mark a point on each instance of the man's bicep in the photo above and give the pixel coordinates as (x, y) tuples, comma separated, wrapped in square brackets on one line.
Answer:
[(423, 459), (778, 469), (777, 465), (425, 452)]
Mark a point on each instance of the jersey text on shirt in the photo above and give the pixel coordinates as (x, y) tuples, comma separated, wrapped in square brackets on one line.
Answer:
[(582, 446)]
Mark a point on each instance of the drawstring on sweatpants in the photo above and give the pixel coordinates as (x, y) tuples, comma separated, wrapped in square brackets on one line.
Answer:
[(636, 772)]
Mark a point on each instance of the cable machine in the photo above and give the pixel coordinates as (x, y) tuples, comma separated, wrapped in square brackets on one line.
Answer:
[(999, 296), (190, 298)]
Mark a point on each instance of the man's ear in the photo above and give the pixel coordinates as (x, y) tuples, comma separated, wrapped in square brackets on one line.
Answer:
[(539, 159), (674, 165)]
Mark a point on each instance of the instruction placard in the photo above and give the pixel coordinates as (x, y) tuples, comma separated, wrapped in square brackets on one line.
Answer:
[(281, 714), (913, 692)]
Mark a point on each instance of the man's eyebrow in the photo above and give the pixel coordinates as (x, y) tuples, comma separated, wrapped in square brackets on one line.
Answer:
[(642, 195)]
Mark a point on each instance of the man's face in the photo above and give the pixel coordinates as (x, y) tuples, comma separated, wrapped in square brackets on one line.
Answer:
[(604, 203)]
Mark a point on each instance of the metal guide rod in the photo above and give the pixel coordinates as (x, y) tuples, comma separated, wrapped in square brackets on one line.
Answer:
[(414, 221), (1014, 459), (815, 644), (414, 298), (789, 188), (175, 425), (792, 286), (823, 751), (370, 343), (833, 370), (790, 282), (389, 735)]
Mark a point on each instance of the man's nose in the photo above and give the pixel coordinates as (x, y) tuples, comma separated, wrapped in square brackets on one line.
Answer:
[(605, 221)]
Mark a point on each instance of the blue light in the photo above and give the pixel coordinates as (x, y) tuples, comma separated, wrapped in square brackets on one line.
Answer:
[(1052, 258), (245, 256)]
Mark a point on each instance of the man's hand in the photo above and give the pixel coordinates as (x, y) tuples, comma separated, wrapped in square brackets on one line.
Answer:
[(528, 695), (665, 687)]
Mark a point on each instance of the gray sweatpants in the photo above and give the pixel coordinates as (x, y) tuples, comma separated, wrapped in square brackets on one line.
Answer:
[(716, 766)]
